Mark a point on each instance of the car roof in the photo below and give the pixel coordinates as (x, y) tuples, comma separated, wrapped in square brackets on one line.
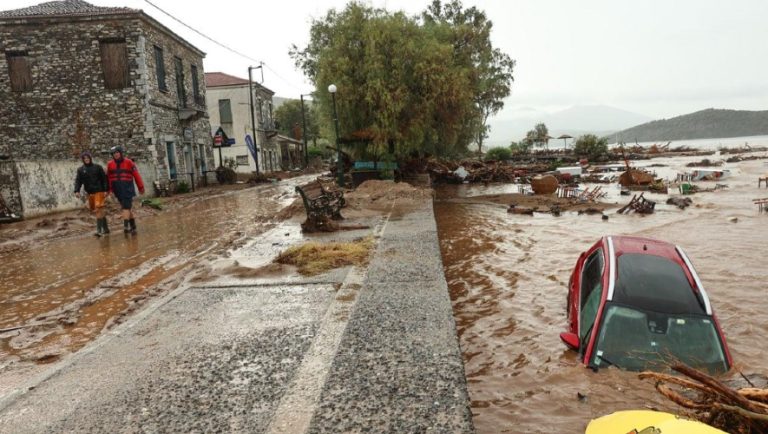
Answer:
[(635, 246)]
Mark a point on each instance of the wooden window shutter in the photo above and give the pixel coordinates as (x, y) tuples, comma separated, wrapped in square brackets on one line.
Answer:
[(114, 64), (19, 71)]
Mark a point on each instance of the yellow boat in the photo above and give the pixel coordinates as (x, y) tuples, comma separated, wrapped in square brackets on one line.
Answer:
[(647, 422)]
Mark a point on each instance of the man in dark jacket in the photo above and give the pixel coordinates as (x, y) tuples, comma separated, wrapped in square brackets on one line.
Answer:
[(121, 174), (92, 177)]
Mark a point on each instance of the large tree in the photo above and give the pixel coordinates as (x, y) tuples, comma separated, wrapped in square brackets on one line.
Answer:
[(288, 116), (490, 70), (400, 79)]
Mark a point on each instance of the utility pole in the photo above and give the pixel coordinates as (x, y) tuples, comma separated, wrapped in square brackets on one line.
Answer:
[(253, 116), (304, 132)]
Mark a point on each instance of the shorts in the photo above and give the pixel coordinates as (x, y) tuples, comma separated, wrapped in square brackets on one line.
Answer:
[(125, 202), (96, 200)]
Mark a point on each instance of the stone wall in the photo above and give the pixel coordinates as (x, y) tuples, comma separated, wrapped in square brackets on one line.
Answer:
[(163, 106), (69, 109)]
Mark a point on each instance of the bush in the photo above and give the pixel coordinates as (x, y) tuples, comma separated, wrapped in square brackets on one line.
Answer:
[(314, 151), (518, 148), (498, 154), (225, 175), (590, 146), (182, 187)]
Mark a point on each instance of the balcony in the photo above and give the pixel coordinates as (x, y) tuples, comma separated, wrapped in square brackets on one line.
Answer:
[(193, 109)]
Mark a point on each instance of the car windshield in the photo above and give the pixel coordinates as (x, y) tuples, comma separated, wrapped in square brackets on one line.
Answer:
[(636, 340)]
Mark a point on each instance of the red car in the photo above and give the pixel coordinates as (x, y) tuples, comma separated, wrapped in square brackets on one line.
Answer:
[(637, 303)]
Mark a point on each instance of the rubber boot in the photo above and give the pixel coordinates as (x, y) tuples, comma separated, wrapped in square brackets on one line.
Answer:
[(126, 226), (99, 231), (104, 226), (132, 222)]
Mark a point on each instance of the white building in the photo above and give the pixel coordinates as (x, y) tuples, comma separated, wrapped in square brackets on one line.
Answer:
[(229, 108)]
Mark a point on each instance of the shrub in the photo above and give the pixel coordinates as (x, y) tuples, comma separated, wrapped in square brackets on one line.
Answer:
[(523, 147), (182, 187), (498, 154), (590, 146), (314, 151)]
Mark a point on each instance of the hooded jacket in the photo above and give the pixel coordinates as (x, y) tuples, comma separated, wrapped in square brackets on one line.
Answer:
[(91, 176), (121, 174)]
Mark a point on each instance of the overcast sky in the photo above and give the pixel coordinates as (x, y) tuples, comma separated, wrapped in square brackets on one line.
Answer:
[(660, 58)]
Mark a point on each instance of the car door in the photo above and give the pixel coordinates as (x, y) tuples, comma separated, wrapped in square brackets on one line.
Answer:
[(590, 293)]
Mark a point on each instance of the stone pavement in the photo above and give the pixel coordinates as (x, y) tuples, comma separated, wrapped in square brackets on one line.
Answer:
[(361, 351)]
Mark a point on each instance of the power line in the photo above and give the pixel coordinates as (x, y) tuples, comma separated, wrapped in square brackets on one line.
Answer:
[(223, 45), (201, 33)]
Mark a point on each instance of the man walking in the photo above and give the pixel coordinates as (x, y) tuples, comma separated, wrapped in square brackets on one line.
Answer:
[(92, 177), (121, 174)]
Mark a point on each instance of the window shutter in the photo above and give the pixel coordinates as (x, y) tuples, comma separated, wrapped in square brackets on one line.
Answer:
[(114, 64), (19, 71), (160, 68)]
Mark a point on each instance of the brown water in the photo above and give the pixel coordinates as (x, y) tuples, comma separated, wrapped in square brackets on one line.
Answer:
[(507, 276), (65, 291)]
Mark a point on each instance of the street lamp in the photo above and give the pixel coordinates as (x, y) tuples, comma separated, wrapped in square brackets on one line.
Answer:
[(339, 164)]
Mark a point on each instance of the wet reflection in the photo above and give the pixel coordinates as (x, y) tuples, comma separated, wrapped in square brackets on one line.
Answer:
[(63, 292)]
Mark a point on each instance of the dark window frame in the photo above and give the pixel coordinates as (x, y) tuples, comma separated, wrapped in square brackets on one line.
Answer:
[(229, 119), (162, 83), (181, 91), (19, 71), (195, 83)]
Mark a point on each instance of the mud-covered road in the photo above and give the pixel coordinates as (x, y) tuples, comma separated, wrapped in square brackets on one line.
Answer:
[(59, 293), (508, 274)]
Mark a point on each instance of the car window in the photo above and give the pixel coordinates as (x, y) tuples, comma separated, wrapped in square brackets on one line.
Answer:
[(591, 291), (589, 311), (637, 340)]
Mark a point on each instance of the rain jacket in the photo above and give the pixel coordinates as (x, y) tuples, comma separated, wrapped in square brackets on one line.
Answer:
[(121, 175), (92, 177)]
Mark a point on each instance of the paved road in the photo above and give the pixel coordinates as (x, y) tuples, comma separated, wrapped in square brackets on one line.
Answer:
[(369, 350)]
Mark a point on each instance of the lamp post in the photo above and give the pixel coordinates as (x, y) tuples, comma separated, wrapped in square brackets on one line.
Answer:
[(304, 129), (339, 164)]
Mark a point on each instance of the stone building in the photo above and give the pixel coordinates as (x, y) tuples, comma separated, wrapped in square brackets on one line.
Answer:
[(230, 110), (77, 77)]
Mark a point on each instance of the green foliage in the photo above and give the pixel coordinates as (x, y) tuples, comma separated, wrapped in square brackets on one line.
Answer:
[(182, 187), (538, 136), (590, 146), (427, 84), (314, 152), (498, 154), (230, 163), (522, 147), (289, 119)]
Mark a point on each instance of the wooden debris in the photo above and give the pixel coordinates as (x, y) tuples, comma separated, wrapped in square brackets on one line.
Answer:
[(680, 202), (713, 402), (638, 204)]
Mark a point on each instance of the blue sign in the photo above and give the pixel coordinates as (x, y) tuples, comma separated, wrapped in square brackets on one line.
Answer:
[(230, 142), (251, 147)]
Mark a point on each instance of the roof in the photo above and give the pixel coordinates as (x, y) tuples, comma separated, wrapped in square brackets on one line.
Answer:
[(220, 79), (216, 79), (65, 8)]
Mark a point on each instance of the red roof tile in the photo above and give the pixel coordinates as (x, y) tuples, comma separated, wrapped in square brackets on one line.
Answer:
[(64, 8), (215, 79)]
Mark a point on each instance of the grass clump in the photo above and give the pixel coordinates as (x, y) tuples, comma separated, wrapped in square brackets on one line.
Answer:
[(314, 258)]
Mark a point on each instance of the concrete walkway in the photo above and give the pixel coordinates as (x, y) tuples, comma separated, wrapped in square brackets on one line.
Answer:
[(364, 351)]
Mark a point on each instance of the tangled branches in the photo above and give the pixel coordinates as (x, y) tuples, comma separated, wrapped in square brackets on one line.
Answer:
[(743, 411)]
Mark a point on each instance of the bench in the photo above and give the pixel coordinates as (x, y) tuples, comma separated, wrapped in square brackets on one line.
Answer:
[(322, 204), (761, 181), (762, 204)]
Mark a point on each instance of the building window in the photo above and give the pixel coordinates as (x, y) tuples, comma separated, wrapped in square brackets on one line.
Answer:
[(225, 116), (181, 93), (19, 71), (196, 85), (170, 150), (160, 69), (242, 160), (114, 63)]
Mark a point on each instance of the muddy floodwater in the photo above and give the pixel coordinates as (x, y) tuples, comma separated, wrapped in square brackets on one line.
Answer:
[(59, 294), (508, 275)]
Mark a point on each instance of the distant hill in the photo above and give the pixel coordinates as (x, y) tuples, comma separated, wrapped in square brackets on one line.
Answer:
[(574, 121), (705, 124)]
